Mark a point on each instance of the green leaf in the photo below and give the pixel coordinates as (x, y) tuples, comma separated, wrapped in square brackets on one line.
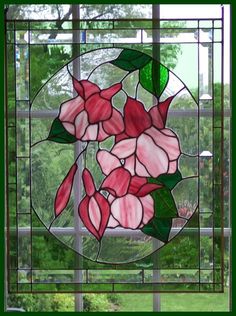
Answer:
[(164, 203), (131, 60), (59, 134), (164, 210), (170, 180), (154, 77), (158, 228)]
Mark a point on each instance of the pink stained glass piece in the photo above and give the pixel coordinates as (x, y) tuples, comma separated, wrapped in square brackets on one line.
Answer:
[(88, 182), (130, 164), (98, 108), (124, 148), (115, 124), (140, 169), (172, 166), (168, 132), (157, 120), (148, 208), (112, 223), (169, 144), (136, 183), (121, 137), (91, 132), (101, 133), (84, 215), (147, 188), (107, 161), (81, 123), (117, 182), (69, 127), (94, 213), (136, 118), (164, 107), (64, 191), (111, 91), (128, 211), (78, 87), (158, 162), (110, 198), (105, 212), (85, 88), (70, 109)]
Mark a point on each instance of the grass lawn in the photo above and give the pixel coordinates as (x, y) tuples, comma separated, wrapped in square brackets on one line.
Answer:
[(176, 302)]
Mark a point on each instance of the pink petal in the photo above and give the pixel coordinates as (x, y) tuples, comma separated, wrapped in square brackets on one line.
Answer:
[(88, 182), (84, 215), (127, 211), (115, 124), (147, 188), (136, 118), (78, 87), (94, 213), (148, 209), (86, 88), (91, 132), (156, 117), (101, 133), (70, 109), (136, 183), (129, 164), (110, 198), (64, 191), (124, 148), (111, 91), (140, 169), (168, 132), (121, 137), (112, 223), (81, 123), (169, 144), (117, 182), (69, 127), (172, 166), (151, 156), (164, 107), (99, 109), (105, 212), (107, 161)]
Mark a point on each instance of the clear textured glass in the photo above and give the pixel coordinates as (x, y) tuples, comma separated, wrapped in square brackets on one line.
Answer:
[(22, 71), (23, 185)]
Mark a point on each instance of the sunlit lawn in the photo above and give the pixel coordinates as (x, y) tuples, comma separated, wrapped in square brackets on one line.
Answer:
[(175, 302)]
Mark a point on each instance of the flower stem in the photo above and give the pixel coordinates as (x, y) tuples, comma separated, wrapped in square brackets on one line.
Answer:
[(50, 226), (40, 141), (85, 148)]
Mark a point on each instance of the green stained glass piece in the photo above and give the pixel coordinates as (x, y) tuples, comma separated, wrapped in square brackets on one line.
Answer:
[(164, 210), (131, 60), (59, 134), (149, 75), (164, 204), (124, 64), (158, 228), (170, 180)]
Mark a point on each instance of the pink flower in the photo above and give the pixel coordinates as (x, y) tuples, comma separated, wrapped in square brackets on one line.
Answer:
[(131, 204), (90, 115), (149, 149), (64, 191), (94, 210)]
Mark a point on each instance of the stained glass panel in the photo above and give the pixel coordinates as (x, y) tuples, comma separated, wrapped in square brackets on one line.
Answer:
[(114, 158)]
